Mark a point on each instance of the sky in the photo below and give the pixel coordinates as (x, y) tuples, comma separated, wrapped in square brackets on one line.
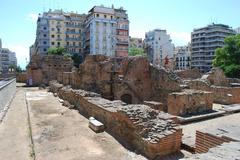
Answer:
[(178, 17)]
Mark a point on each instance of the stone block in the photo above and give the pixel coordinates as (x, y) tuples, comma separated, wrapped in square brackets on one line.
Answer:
[(95, 125), (154, 105)]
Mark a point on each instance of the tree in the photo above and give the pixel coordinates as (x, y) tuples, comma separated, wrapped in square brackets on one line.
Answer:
[(57, 51), (19, 69), (77, 59), (134, 51), (228, 57)]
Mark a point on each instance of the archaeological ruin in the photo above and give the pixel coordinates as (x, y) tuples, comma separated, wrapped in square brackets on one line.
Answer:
[(141, 105)]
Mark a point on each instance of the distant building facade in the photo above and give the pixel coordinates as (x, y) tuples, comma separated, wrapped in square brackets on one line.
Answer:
[(103, 31), (159, 48), (59, 29), (182, 58), (106, 32), (237, 30), (7, 59), (204, 42), (135, 42)]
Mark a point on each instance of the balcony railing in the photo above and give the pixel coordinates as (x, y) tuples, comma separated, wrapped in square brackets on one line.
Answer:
[(72, 39)]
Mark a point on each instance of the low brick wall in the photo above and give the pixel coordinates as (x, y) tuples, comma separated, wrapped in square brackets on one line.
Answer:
[(22, 77), (189, 102), (205, 141), (221, 94), (138, 127), (226, 95)]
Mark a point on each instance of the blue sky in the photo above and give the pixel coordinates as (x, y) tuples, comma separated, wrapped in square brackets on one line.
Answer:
[(178, 17)]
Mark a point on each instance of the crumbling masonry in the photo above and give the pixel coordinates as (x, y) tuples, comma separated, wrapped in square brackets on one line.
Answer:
[(113, 90)]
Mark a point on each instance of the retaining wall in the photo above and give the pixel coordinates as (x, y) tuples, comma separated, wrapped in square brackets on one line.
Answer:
[(7, 91)]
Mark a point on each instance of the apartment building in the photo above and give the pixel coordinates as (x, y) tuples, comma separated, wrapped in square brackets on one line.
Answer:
[(237, 30), (159, 47), (106, 32), (7, 58), (204, 42), (182, 57), (59, 29)]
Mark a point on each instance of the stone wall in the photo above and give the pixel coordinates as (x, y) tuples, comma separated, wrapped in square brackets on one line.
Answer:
[(189, 74), (221, 94), (137, 126), (21, 77), (42, 69), (216, 77), (116, 78), (189, 102)]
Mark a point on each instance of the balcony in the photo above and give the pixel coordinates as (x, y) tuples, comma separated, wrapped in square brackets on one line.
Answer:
[(122, 42), (72, 32), (72, 39), (73, 25)]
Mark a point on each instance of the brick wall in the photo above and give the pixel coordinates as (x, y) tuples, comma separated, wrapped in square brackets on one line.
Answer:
[(189, 102), (136, 126), (205, 141)]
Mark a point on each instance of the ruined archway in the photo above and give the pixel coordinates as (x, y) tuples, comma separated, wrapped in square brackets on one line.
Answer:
[(127, 98)]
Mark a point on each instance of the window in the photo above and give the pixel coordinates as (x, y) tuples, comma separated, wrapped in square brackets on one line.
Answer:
[(67, 43), (58, 36), (52, 43), (52, 29), (111, 17), (44, 42), (52, 36), (97, 15), (45, 28), (58, 43), (105, 16), (73, 43), (44, 49), (44, 35)]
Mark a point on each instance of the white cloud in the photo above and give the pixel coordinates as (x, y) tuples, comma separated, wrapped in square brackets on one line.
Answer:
[(32, 17), (22, 53)]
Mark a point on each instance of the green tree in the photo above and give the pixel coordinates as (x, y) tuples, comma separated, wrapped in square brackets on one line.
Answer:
[(77, 59), (134, 51), (228, 57), (19, 69), (57, 51)]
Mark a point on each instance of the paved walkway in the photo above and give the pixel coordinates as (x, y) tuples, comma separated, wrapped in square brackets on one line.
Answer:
[(14, 131), (58, 133)]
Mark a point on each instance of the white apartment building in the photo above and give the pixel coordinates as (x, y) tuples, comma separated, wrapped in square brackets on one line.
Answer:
[(182, 58), (159, 47)]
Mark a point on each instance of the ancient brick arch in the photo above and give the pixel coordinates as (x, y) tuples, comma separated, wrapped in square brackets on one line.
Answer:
[(127, 98)]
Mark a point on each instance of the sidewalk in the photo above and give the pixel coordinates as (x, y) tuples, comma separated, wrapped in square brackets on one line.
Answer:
[(14, 131)]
